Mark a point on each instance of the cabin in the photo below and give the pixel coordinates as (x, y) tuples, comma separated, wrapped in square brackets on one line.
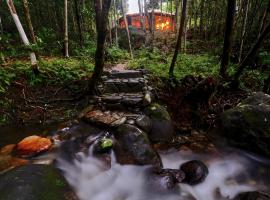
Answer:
[(162, 21)]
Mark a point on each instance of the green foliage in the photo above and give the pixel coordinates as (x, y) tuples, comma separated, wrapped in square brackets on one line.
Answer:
[(54, 71), (115, 54), (158, 63)]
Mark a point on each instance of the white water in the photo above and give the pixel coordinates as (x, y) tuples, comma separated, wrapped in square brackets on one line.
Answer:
[(92, 182)]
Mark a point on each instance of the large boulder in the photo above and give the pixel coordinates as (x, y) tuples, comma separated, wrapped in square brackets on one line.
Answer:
[(162, 128), (34, 182), (246, 126), (133, 147), (252, 196)]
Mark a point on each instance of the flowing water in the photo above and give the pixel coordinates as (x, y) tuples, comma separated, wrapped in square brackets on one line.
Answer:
[(229, 175)]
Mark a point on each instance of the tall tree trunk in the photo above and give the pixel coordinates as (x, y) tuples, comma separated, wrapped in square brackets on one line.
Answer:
[(147, 16), (28, 21), (202, 17), (246, 9), (1, 26), (102, 8), (179, 38), (2, 58), (79, 21), (141, 15), (153, 28), (116, 23), (127, 28), (250, 55), (228, 37), (66, 28), (177, 3), (264, 17), (22, 34)]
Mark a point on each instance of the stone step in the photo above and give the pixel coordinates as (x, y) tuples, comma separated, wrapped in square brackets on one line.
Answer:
[(130, 85), (124, 74), (109, 118)]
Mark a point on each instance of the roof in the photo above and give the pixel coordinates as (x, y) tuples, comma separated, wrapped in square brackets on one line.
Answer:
[(156, 12)]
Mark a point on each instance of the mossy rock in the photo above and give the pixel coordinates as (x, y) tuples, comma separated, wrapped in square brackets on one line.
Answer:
[(134, 144), (35, 182), (246, 126), (162, 128)]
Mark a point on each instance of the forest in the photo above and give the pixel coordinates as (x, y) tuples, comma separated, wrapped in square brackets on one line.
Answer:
[(135, 99)]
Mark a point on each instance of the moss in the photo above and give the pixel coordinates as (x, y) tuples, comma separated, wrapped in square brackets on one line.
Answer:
[(157, 112), (55, 186)]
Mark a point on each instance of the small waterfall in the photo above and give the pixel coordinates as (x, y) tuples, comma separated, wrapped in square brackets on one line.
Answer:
[(228, 176)]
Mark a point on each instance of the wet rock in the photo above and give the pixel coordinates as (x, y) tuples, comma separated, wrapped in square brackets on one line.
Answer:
[(134, 147), (162, 128), (8, 162), (252, 196), (103, 145), (249, 121), (195, 172), (178, 175), (32, 146), (105, 119), (7, 150), (144, 122), (33, 182)]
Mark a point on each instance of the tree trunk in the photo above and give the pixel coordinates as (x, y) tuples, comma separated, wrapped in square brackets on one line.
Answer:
[(28, 21), (250, 55), (66, 28), (79, 21), (228, 37), (127, 28), (153, 28), (179, 38), (177, 3), (141, 15), (264, 17), (102, 11), (1, 26), (22, 34), (202, 17), (116, 23), (243, 31)]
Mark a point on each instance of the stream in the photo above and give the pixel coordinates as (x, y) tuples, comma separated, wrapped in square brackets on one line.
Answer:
[(230, 173)]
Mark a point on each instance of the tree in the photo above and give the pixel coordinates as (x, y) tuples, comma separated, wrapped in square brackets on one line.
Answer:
[(79, 21), (28, 21), (250, 55), (228, 37), (179, 37), (102, 8), (66, 28), (243, 30), (126, 27), (22, 34), (141, 15)]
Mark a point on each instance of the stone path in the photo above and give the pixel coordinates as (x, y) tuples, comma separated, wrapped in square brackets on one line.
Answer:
[(123, 94)]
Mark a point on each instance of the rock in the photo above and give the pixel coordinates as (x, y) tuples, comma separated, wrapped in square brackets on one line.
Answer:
[(124, 74), (162, 127), (144, 122), (178, 175), (7, 150), (8, 162), (195, 172), (33, 145), (134, 147), (249, 121), (252, 196), (103, 145), (34, 182), (105, 119)]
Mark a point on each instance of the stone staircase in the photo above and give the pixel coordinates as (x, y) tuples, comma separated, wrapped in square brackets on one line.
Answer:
[(123, 95)]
